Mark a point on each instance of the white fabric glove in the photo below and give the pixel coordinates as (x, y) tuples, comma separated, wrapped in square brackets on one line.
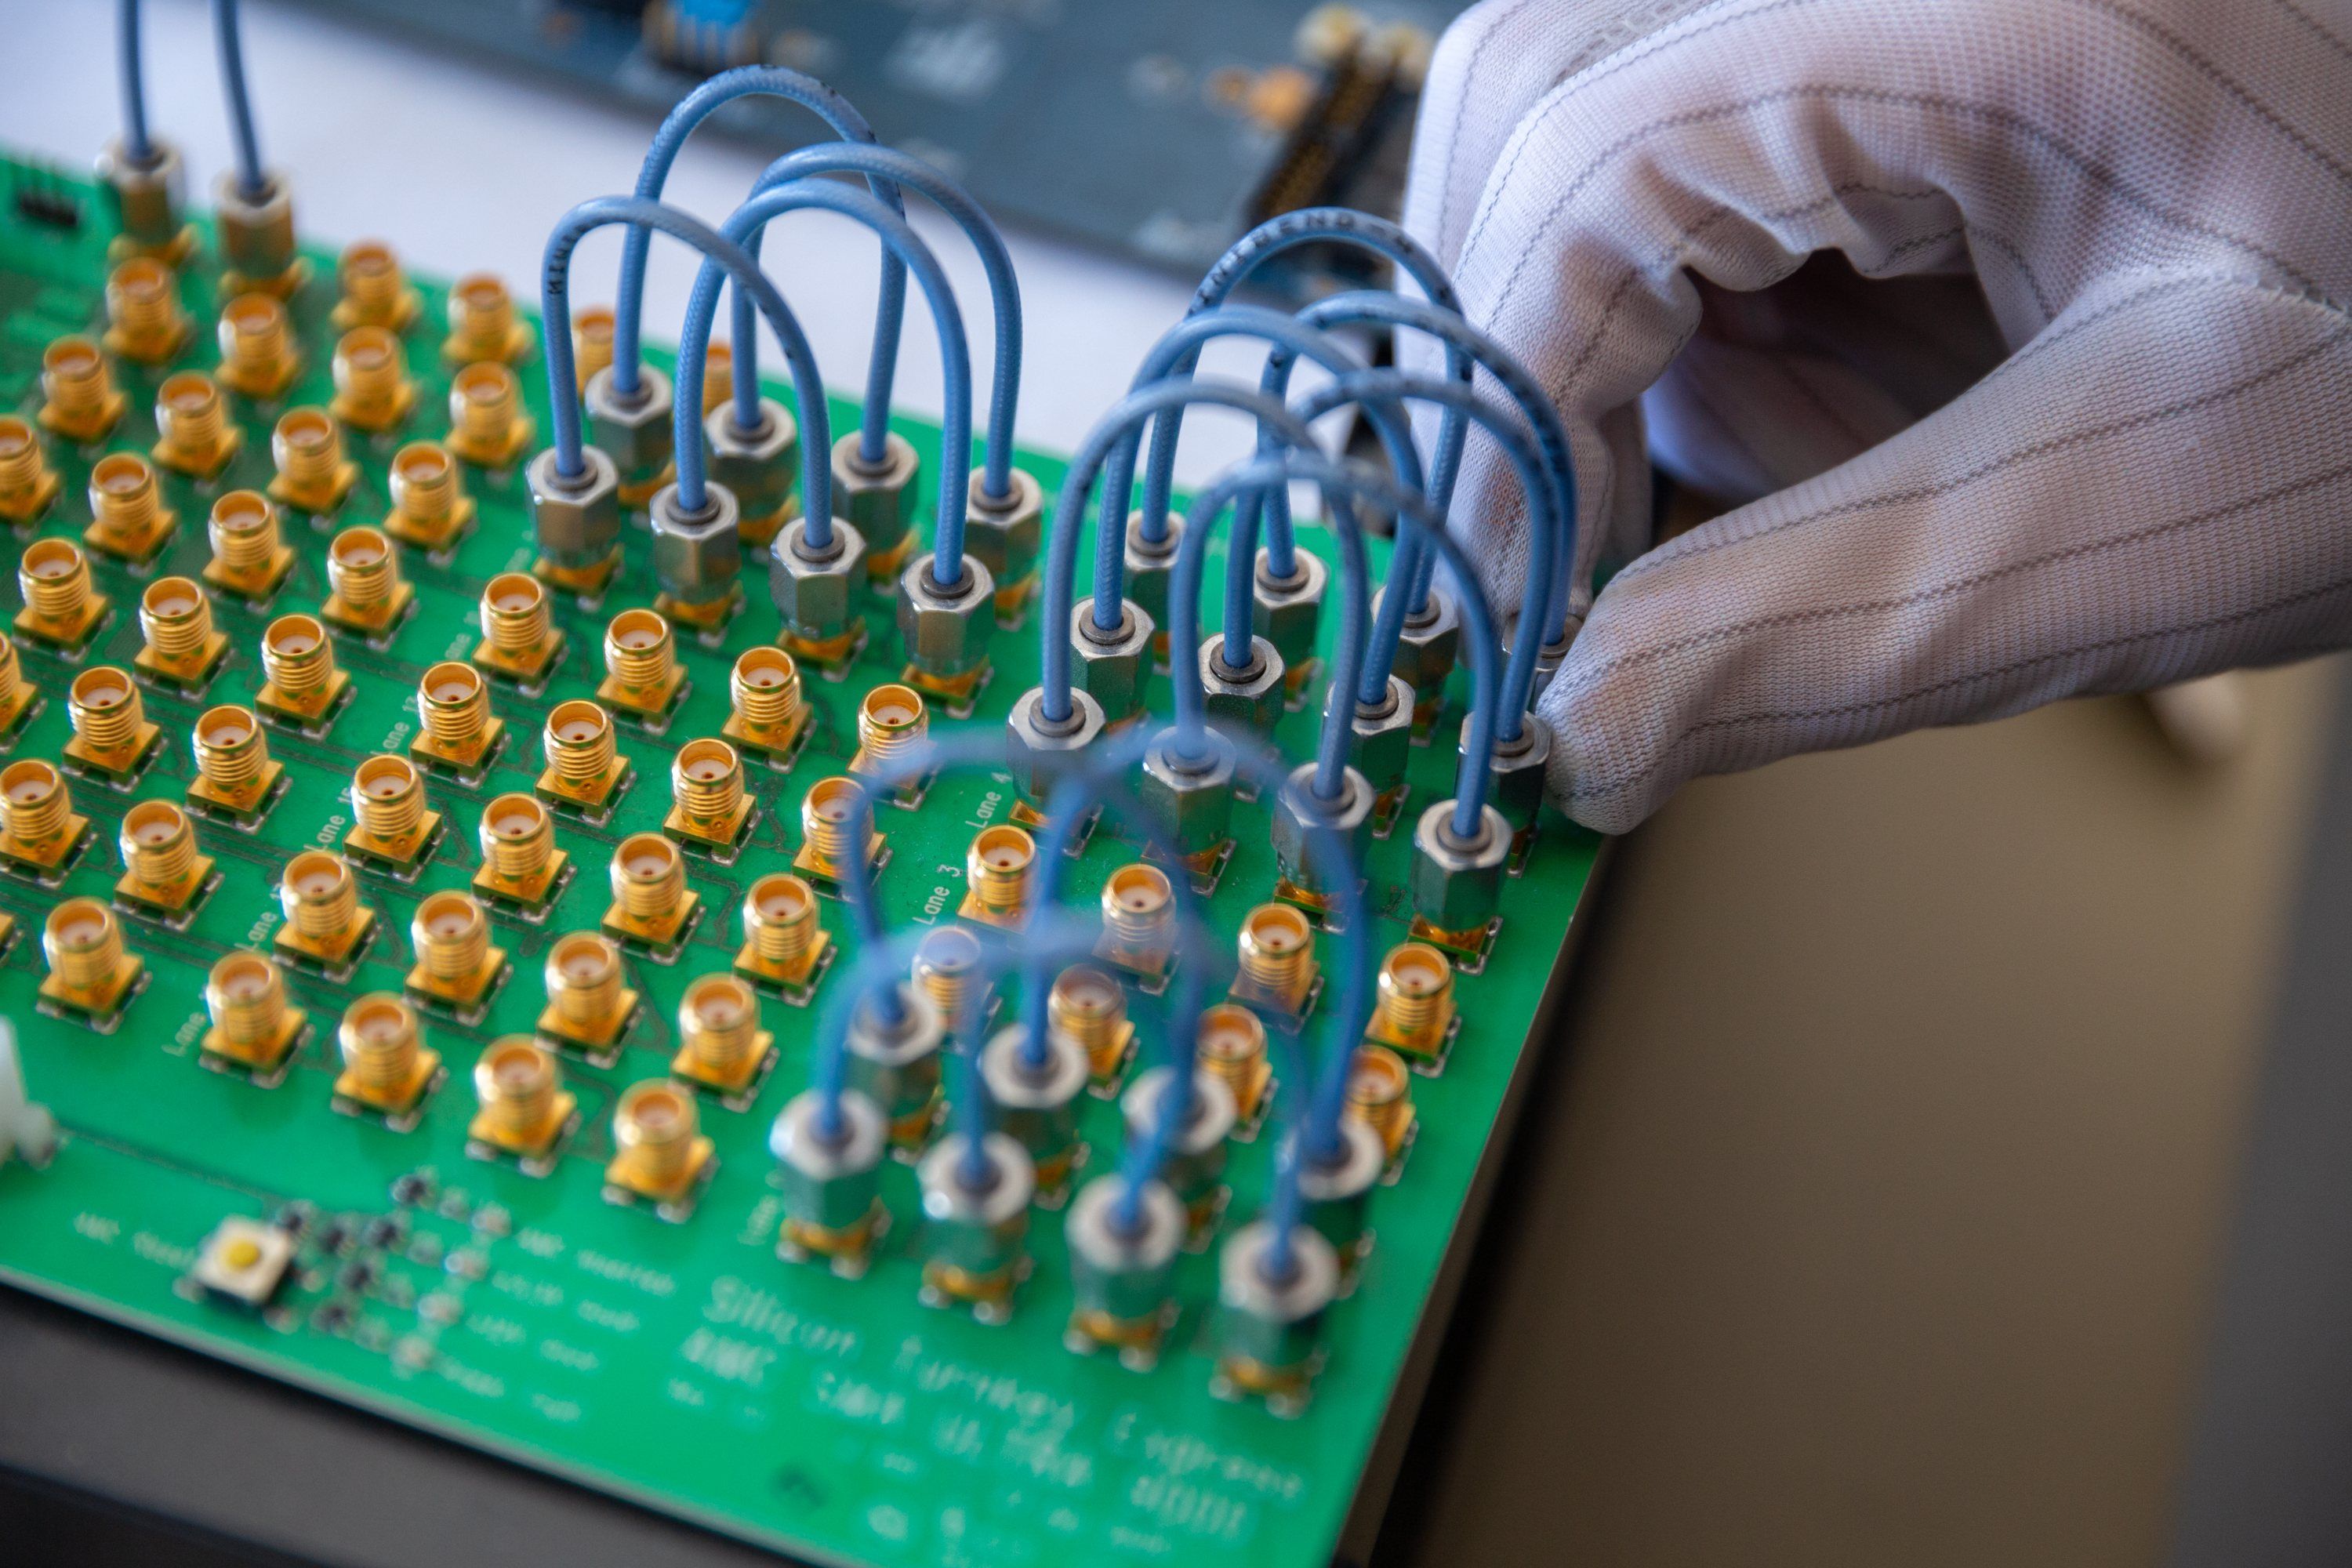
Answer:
[(2141, 210)]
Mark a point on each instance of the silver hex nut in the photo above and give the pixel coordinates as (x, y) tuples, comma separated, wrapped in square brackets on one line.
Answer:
[(1191, 800), (698, 555), (1150, 565), (635, 430), (578, 521), (812, 586), (256, 231), (876, 499), (945, 628), (1114, 666), (1004, 535), (1038, 751), (756, 465), (1286, 611), (147, 198), (1518, 770), (1549, 657), (1430, 643), (1247, 698), (1457, 883), (1379, 741), (1298, 815)]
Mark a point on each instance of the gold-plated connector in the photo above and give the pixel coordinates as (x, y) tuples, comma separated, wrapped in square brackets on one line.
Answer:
[(128, 518), (1278, 961), (250, 556), (663, 1157), (1139, 916), (302, 683), (387, 1067), (892, 720), (163, 869), (487, 424), (1379, 1095), (373, 389), (18, 696), (526, 1110), (376, 291), (62, 607), (1415, 1011), (1232, 1049), (721, 1045), (460, 732), (584, 767), (520, 639), (830, 814), (652, 905), (589, 1003), (1088, 1007), (78, 398), (784, 944), (946, 969), (181, 645), (430, 508), (194, 434), (257, 347), (717, 376), (997, 869), (326, 924), (235, 775), (39, 828), (395, 825), (254, 1025), (709, 804), (771, 716), (482, 322), (111, 732), (455, 963), (91, 972), (143, 318), (313, 473), (27, 483), (367, 592), (521, 864), (592, 342), (642, 674)]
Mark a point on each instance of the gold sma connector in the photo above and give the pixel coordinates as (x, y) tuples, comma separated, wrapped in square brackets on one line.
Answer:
[(62, 606), (1379, 1095), (365, 591), (521, 866), (79, 401), (373, 389), (771, 716), (128, 518), (144, 321), (458, 730), (663, 1157), (257, 347), (525, 1110), (39, 829), (720, 1044), (589, 1003), (375, 292), (113, 735), (997, 871), (301, 683), (314, 474), (892, 721), (487, 425), (584, 768), (483, 326), (831, 815), (91, 972), (394, 826), (1231, 1049), (194, 434), (387, 1067), (520, 639), (947, 969), (163, 871), (642, 675), (235, 775), (592, 342), (1087, 1006), (652, 906), (430, 508), (1415, 1013), (783, 944), (457, 966), (1139, 916), (18, 696), (251, 555), (326, 925), (28, 485), (254, 1027), (709, 804), (1278, 973), (181, 644)]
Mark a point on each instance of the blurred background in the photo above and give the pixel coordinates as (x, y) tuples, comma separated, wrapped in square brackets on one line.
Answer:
[(1947, 1155)]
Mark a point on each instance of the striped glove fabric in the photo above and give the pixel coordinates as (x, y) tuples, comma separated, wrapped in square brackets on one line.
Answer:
[(2070, 411)]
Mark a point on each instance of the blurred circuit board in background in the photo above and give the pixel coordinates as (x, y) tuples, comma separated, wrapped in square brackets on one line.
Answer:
[(1160, 129)]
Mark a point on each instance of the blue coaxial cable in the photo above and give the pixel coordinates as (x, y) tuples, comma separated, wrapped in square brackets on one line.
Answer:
[(252, 179), (131, 66)]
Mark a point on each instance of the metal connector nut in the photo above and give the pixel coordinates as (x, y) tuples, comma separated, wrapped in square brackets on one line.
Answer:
[(1242, 698), (1149, 566), (945, 630), (636, 431), (1004, 536), (1549, 657), (256, 233), (1038, 751), (1458, 884), (1193, 801), (1114, 667), (698, 555), (1379, 741), (1430, 644), (874, 497), (1297, 814), (578, 521), (148, 198), (758, 465), (813, 589), (1286, 613), (1519, 772)]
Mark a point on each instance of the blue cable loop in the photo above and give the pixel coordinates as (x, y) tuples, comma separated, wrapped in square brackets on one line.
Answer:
[(955, 360), (1365, 484), (1308, 225), (131, 65), (1542, 416), (1543, 530), (555, 299), (974, 750), (1078, 484), (252, 180), (1003, 286), (890, 307)]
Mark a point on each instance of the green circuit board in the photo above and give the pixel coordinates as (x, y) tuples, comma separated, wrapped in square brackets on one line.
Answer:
[(684, 1365)]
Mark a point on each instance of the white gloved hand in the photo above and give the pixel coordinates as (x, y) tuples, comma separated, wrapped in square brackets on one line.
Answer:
[(2153, 198)]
